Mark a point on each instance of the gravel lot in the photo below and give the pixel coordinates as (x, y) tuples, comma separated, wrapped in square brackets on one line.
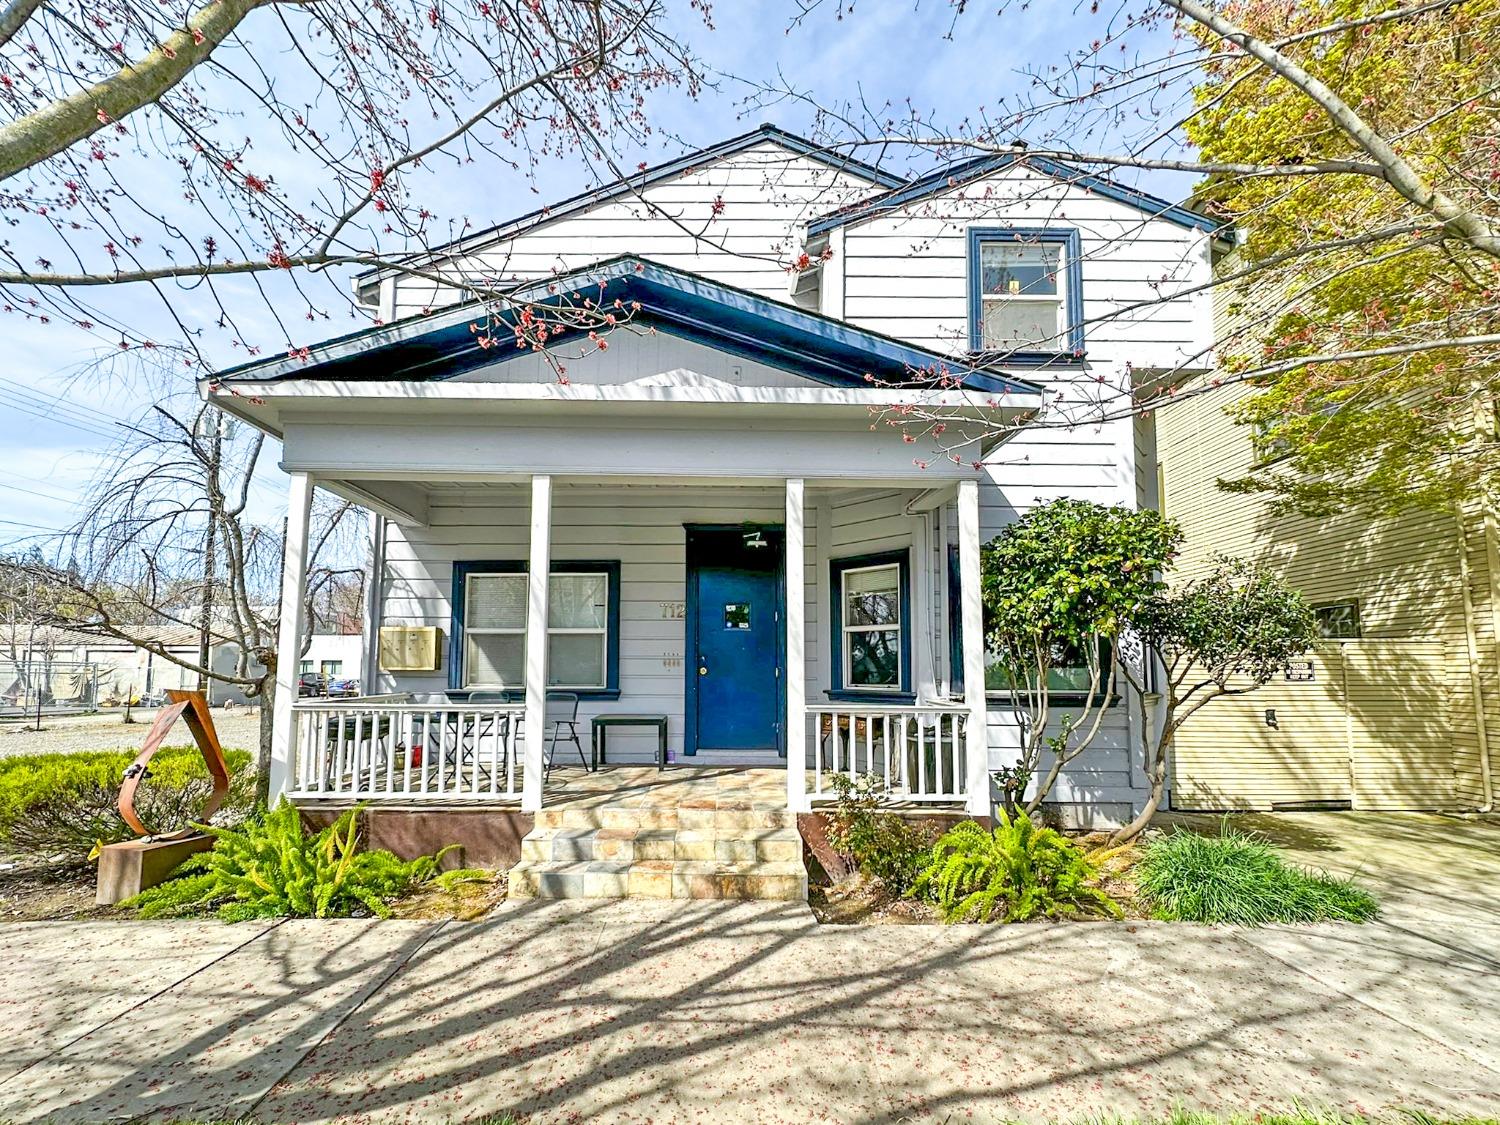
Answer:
[(238, 730)]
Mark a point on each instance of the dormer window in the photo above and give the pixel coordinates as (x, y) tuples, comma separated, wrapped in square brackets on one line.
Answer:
[(1025, 292)]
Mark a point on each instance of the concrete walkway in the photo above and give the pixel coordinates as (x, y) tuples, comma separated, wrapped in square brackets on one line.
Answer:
[(678, 1012)]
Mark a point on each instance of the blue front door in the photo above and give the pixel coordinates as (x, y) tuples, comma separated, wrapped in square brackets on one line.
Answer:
[(734, 642)]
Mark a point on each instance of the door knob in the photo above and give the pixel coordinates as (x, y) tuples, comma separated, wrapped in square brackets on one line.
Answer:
[(702, 671)]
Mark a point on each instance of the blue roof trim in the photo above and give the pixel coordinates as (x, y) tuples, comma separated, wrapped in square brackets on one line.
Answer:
[(630, 184), (956, 174), (442, 345)]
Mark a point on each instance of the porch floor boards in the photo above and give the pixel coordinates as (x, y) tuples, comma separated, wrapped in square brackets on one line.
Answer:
[(631, 832)]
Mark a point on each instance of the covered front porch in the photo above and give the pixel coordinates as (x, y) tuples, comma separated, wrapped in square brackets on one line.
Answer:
[(709, 518), (562, 600)]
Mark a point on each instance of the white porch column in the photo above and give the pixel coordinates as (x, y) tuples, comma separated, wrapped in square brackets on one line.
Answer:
[(796, 651), (537, 573), (289, 634), (978, 787)]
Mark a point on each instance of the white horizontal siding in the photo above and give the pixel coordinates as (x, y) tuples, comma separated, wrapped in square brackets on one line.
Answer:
[(767, 193), (906, 273), (642, 528), (633, 354)]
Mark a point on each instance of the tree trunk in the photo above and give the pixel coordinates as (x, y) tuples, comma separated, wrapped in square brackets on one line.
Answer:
[(267, 699), (1157, 772)]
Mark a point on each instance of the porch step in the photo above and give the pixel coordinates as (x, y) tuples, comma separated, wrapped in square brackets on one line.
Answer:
[(719, 817), (627, 845), (686, 838), (701, 879)]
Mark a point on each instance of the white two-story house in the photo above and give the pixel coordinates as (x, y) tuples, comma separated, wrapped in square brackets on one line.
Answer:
[(742, 525)]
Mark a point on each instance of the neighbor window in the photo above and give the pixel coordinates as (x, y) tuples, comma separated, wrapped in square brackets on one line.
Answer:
[(871, 630), (582, 622), (1067, 679), (331, 667), (1338, 621), (1025, 291)]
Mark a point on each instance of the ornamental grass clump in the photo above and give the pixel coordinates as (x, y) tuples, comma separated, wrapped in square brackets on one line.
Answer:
[(1237, 879), (270, 868), (64, 804), (1016, 873)]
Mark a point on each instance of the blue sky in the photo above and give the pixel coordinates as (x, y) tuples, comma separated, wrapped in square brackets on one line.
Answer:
[(62, 414)]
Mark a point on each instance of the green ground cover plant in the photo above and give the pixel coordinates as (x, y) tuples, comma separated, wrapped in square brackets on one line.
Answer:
[(1018, 872), (878, 844), (1238, 879), (64, 804), (271, 868)]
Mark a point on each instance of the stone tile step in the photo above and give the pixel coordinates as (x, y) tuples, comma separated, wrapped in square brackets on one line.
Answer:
[(729, 845), (782, 882), (732, 815)]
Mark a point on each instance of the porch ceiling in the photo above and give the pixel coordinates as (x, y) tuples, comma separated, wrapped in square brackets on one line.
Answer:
[(407, 502)]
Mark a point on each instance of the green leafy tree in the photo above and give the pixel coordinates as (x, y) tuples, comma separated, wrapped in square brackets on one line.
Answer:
[(1373, 359), (1059, 585), (1227, 633)]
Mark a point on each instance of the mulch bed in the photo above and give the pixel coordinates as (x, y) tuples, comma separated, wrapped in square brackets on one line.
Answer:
[(855, 900), (42, 891)]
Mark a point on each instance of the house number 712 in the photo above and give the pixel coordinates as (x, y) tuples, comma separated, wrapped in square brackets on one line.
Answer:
[(673, 611)]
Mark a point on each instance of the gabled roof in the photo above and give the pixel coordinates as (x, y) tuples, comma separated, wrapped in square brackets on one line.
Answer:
[(953, 175), (631, 185), (444, 344)]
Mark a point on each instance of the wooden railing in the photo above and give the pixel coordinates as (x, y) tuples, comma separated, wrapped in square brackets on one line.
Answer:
[(917, 751), (393, 747)]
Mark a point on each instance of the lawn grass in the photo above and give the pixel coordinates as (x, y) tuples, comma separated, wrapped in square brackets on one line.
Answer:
[(1238, 879)]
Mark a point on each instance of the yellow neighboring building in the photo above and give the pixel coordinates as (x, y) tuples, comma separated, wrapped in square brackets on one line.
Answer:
[(1399, 708)]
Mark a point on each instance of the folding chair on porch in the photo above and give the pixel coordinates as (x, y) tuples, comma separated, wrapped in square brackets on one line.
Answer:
[(560, 725)]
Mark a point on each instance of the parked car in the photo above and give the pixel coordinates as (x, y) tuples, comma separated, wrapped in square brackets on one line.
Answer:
[(312, 683), (343, 688)]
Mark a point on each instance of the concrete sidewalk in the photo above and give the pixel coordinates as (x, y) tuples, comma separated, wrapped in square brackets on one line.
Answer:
[(672, 1012)]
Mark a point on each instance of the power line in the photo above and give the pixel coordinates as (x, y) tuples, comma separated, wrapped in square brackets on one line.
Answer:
[(61, 402), (25, 408), (34, 492)]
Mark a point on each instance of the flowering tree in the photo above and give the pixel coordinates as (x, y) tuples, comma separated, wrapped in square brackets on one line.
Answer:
[(299, 135), (1351, 145), (187, 181)]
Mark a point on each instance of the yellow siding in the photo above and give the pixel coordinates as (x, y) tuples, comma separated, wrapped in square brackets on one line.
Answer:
[(1416, 727)]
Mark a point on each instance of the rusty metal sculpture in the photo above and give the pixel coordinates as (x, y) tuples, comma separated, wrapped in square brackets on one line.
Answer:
[(194, 706)]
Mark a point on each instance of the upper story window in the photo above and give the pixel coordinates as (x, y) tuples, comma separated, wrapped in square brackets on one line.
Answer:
[(583, 618), (1025, 291), (871, 634)]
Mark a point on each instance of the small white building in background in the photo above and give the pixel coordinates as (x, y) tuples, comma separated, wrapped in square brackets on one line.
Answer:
[(84, 671), (707, 519)]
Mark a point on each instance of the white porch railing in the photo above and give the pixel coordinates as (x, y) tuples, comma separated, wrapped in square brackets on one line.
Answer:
[(918, 751), (395, 747)]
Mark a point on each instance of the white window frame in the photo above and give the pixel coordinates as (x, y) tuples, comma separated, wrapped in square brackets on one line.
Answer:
[(846, 629), (1058, 340), (481, 631)]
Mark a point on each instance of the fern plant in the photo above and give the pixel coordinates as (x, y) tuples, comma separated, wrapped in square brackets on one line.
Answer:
[(1018, 872), (270, 868)]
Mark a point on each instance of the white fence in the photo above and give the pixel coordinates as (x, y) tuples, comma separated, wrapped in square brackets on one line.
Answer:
[(392, 747), (918, 752)]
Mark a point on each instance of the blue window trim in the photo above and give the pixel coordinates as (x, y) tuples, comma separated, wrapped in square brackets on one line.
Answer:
[(1072, 243), (608, 567), (839, 690)]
